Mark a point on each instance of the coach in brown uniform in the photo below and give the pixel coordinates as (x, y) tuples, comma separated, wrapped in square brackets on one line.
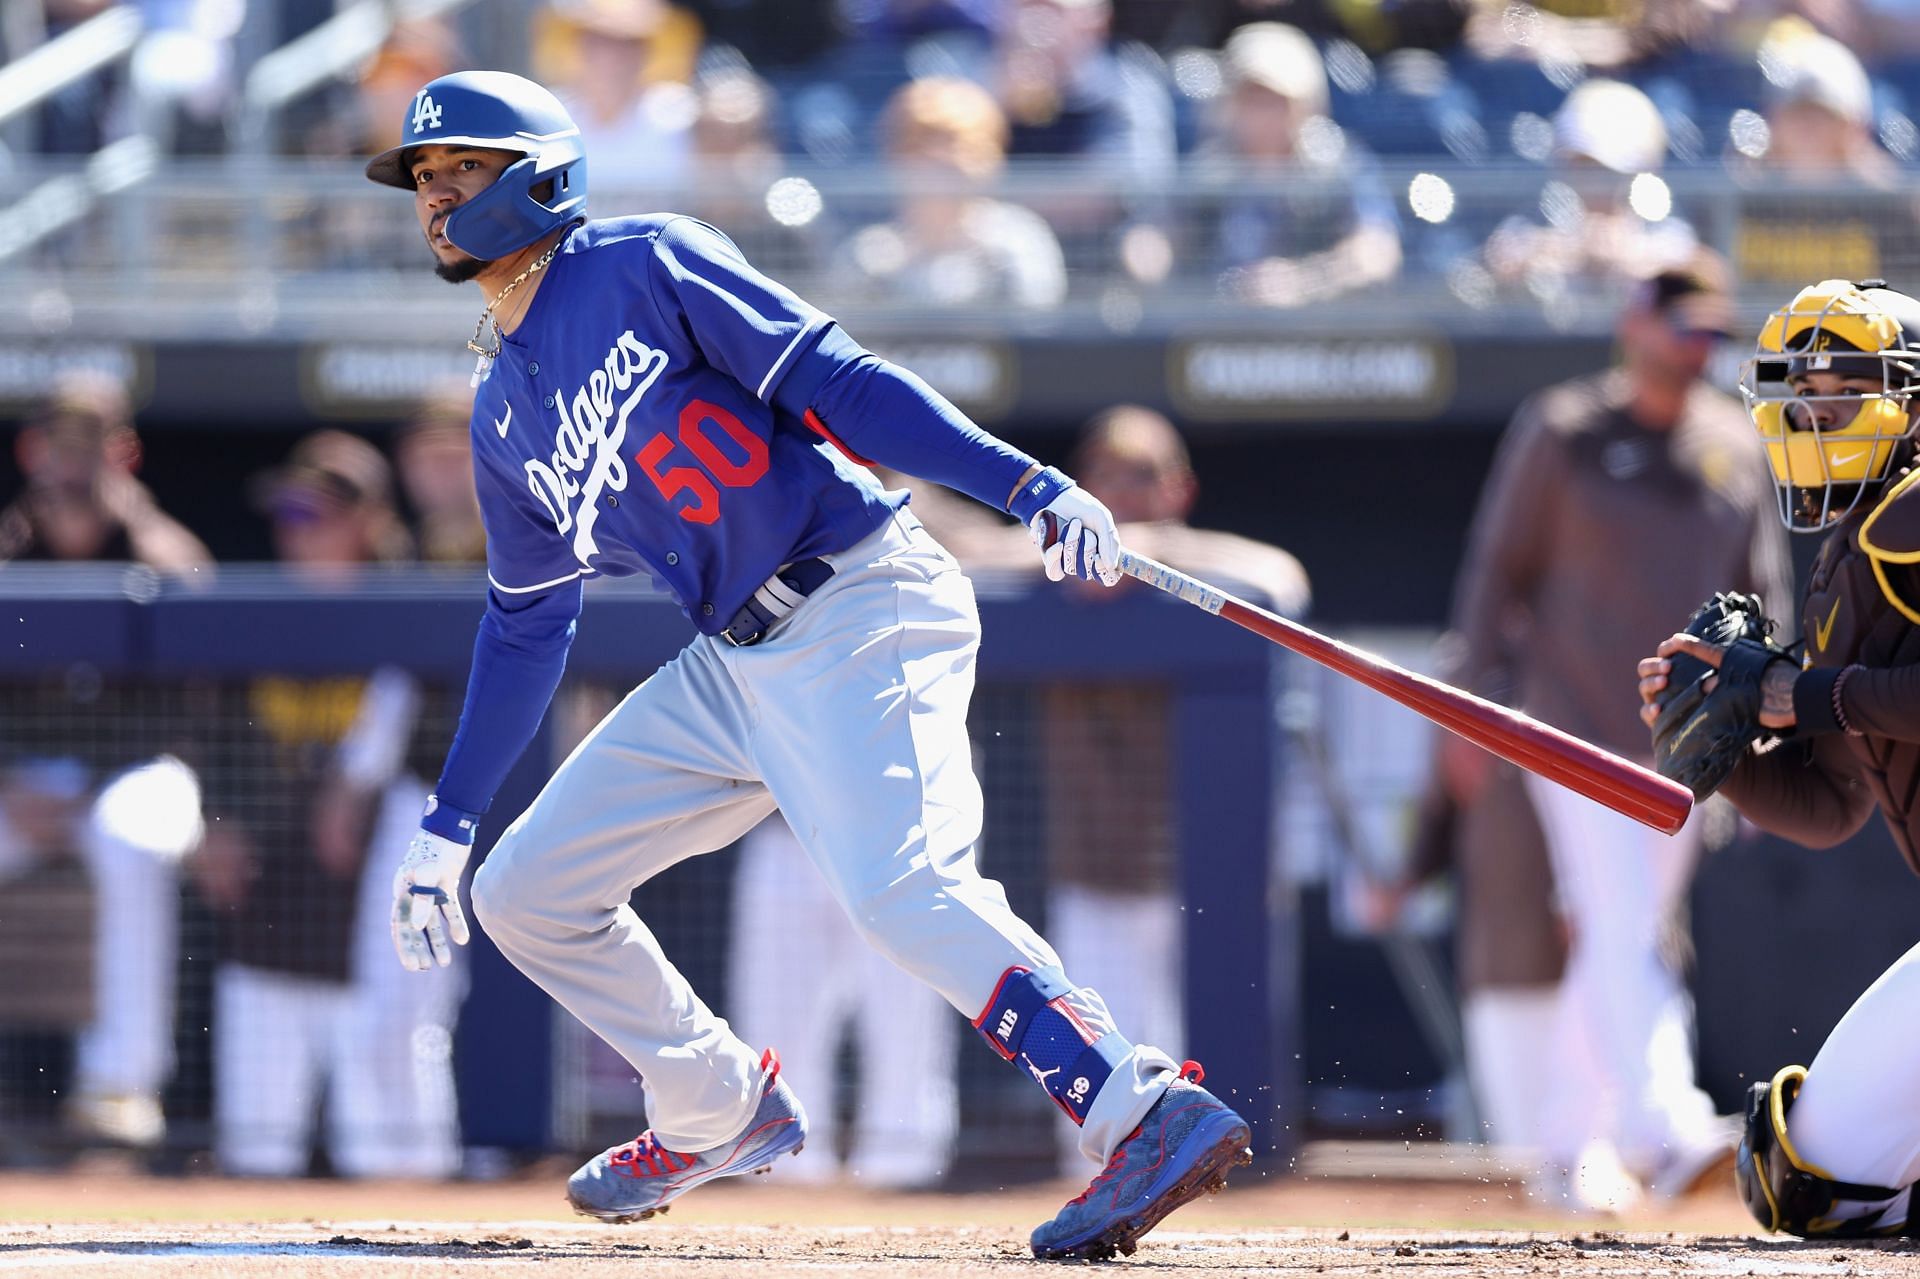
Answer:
[(1831, 391), (1571, 560)]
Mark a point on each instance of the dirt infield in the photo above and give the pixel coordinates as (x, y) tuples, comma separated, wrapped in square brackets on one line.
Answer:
[(105, 1222)]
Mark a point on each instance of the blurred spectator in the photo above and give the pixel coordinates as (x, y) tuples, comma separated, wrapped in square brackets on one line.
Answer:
[(1330, 227), (434, 455), (735, 165), (1606, 217), (183, 71), (1820, 196), (802, 979), (1570, 566), (1819, 110), (1113, 891), (47, 927), (314, 776), (949, 245), (80, 501), (622, 69), (415, 51), (77, 455), (1069, 90)]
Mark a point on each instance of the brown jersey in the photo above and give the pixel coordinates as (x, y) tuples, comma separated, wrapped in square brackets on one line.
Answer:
[(1860, 615)]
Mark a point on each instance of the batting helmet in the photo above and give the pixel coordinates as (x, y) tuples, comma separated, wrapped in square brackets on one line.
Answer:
[(502, 112)]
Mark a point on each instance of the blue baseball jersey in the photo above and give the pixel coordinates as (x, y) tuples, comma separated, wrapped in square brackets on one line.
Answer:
[(634, 424), (664, 408)]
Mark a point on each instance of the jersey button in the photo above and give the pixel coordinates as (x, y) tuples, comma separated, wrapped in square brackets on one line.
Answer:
[(612, 501), (673, 557), (533, 368), (549, 401), (706, 610)]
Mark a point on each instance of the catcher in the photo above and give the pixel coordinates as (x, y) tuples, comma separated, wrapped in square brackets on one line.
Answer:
[(1806, 748)]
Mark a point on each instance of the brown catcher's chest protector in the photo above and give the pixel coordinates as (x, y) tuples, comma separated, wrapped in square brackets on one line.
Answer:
[(1862, 605)]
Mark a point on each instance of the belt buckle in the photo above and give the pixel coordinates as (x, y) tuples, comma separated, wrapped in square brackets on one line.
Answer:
[(752, 638)]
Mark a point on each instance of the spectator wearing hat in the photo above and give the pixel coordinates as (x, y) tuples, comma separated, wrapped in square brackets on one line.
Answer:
[(1605, 217), (78, 456), (1819, 110), (1320, 223), (949, 244), (311, 774), (1569, 567), (1816, 137), (621, 68), (434, 456)]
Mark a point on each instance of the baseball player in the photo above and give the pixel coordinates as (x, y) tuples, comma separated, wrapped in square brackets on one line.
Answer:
[(1833, 1149), (647, 402)]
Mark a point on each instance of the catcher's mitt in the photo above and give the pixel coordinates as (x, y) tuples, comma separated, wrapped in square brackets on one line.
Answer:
[(1700, 736)]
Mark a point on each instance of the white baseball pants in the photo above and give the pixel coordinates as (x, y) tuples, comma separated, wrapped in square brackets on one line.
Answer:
[(851, 717), (1624, 1019), (145, 820), (1854, 1118), (381, 1045)]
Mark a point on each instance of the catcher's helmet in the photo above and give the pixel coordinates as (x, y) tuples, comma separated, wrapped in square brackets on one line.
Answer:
[(504, 112), (1865, 331)]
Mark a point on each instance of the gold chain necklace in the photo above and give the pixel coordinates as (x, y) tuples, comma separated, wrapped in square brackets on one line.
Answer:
[(489, 319)]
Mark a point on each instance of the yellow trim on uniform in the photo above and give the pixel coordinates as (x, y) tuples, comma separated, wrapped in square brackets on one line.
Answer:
[(1777, 1107), (1880, 557), (1866, 527)]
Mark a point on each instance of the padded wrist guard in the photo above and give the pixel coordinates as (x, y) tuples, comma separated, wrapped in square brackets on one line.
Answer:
[(1785, 1193)]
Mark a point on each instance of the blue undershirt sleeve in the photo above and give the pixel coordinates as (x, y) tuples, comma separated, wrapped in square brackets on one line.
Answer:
[(518, 658), (882, 413)]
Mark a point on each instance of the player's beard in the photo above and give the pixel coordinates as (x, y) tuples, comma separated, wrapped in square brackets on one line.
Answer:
[(460, 270)]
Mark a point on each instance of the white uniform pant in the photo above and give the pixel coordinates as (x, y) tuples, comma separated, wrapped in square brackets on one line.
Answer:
[(1855, 1118), (800, 975), (143, 822), (851, 716), (1130, 947), (1508, 1030), (1624, 1025), (381, 1045)]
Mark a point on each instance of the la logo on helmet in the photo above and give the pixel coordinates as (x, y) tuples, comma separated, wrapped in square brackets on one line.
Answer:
[(425, 114)]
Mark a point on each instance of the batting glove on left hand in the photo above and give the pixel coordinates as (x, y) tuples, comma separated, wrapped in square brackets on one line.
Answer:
[(426, 902), (1073, 529)]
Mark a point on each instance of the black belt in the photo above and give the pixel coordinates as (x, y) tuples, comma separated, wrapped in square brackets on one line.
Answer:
[(778, 596)]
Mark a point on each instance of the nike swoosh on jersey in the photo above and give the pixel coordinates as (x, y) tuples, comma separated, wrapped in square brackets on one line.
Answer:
[(501, 425), (1823, 631)]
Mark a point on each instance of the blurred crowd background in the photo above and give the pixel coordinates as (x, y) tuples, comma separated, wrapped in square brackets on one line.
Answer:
[(1271, 276)]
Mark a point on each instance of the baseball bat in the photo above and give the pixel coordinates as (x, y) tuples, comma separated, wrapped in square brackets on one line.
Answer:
[(1620, 784)]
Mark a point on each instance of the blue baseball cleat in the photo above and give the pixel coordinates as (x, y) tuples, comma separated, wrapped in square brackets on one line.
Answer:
[(1181, 1150), (638, 1180)]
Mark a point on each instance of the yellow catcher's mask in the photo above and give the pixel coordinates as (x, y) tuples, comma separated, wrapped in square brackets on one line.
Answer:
[(1824, 460)]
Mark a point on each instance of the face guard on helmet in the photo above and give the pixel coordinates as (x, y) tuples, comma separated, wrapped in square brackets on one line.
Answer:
[(539, 193), (1824, 461)]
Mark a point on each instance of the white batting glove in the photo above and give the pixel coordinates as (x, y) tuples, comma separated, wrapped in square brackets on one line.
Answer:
[(1077, 538), (426, 902)]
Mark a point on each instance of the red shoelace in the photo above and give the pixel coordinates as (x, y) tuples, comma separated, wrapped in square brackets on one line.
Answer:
[(1191, 1070), (644, 1156)]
